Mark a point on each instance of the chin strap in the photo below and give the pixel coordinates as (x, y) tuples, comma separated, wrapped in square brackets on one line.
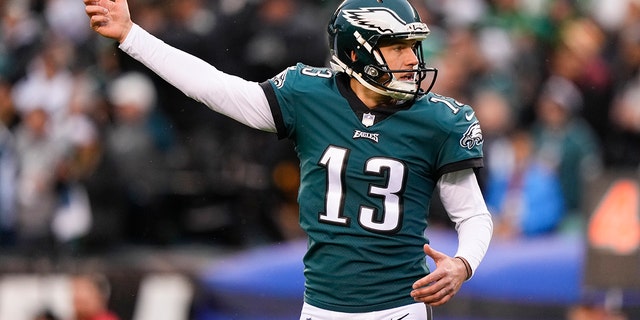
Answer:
[(339, 66)]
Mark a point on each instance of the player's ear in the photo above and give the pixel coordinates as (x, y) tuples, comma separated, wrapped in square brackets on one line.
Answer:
[(353, 56)]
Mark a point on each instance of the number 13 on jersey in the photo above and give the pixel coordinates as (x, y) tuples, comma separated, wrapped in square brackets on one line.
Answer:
[(335, 160)]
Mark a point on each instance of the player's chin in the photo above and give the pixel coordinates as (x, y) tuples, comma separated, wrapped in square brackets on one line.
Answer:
[(408, 85)]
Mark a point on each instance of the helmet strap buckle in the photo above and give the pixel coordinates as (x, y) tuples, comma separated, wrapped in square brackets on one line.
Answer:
[(371, 71)]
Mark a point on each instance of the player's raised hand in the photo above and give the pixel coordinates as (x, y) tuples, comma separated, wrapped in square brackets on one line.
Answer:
[(441, 284), (110, 18)]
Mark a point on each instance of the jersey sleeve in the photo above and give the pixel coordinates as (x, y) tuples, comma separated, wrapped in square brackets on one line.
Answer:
[(462, 149), (292, 90), (277, 89), (229, 95)]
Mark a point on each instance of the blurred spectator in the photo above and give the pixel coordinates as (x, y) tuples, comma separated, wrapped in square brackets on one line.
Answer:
[(78, 136), (536, 47), (457, 64), (524, 197), (465, 67), (564, 141), (580, 59), (91, 297), (8, 177), (625, 110), (555, 15), (9, 119), (151, 14), (258, 40), (139, 143), (66, 19), (48, 82), (57, 145), (474, 11), (498, 120), (285, 175), (39, 156), (189, 25), (20, 33), (190, 21), (613, 15), (9, 116), (508, 40), (501, 27)]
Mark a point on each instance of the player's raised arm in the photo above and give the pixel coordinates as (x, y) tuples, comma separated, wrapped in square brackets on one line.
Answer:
[(232, 96), (109, 18)]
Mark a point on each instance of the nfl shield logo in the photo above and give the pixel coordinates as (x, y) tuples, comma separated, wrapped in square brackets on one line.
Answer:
[(367, 119)]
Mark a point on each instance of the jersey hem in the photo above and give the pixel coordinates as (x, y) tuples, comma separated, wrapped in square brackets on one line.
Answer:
[(360, 309), (473, 163)]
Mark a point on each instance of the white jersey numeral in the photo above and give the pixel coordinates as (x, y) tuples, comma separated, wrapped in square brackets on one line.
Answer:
[(452, 104), (334, 160)]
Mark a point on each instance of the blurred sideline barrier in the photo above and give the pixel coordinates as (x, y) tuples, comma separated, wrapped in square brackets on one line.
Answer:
[(540, 277), (612, 264), (23, 296), (539, 273), (165, 296), (521, 278)]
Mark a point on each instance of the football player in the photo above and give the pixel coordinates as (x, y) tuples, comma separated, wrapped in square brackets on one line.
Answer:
[(373, 146)]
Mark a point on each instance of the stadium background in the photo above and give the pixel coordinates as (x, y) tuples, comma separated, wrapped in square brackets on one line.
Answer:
[(186, 209)]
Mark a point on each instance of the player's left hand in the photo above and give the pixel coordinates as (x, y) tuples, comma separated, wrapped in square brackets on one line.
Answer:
[(438, 287), (110, 18)]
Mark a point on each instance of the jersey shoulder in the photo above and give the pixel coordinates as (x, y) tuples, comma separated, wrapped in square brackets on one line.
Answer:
[(451, 116), (297, 92), (300, 76), (445, 111)]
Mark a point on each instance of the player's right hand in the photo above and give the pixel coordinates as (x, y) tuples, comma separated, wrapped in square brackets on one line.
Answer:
[(439, 286), (109, 18)]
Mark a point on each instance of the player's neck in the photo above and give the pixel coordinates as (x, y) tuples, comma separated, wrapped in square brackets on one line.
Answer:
[(370, 98)]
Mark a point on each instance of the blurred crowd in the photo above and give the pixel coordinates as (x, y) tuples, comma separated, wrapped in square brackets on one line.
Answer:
[(96, 151)]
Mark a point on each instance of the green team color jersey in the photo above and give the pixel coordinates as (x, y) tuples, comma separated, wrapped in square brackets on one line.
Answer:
[(367, 177)]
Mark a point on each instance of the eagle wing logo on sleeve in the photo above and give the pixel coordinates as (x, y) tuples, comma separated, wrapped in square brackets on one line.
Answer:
[(281, 77), (472, 137), (382, 20)]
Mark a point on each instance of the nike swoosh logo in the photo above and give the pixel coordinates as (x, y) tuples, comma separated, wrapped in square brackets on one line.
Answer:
[(469, 116), (406, 315)]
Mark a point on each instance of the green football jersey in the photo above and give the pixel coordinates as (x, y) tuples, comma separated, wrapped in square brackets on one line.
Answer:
[(367, 177)]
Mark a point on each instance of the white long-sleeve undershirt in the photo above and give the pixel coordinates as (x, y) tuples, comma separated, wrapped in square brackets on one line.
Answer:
[(245, 101), (239, 99), (462, 199)]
